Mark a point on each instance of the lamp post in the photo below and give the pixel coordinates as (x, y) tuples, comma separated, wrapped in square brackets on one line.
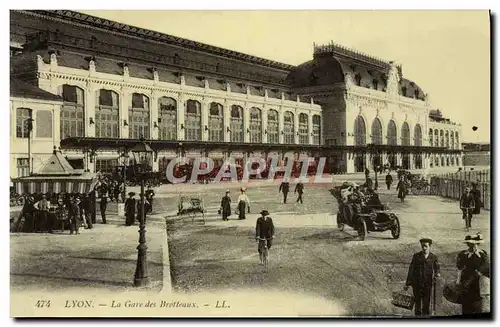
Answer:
[(142, 153)]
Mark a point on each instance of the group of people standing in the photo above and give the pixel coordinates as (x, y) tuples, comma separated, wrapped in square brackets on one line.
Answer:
[(45, 212), (470, 290)]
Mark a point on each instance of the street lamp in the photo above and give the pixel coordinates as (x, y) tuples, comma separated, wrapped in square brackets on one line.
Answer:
[(142, 154)]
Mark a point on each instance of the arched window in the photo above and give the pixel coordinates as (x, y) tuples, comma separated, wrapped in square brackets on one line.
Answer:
[(431, 137), (107, 114), (436, 160), (216, 122), (436, 137), (441, 138), (167, 118), (442, 161), (457, 141), (357, 78), (452, 137), (272, 127), (138, 115), (316, 129), (72, 115), (44, 123), (447, 161), (405, 134), (303, 128), (392, 133), (236, 125), (23, 124), (376, 131), (255, 125), (452, 159), (447, 139), (417, 135), (192, 118), (288, 128)]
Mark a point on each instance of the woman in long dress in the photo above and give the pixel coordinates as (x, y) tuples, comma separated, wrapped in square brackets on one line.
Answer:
[(243, 204)]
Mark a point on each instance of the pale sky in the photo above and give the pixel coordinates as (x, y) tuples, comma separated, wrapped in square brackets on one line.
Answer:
[(447, 53)]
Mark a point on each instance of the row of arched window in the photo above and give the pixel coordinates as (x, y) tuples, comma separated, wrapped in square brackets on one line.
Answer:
[(107, 120), (392, 133), (444, 161), (448, 139)]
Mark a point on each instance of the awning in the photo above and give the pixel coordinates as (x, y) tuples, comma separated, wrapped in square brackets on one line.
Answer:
[(55, 184)]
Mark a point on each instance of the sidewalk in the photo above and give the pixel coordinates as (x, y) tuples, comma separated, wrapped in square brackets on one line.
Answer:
[(103, 257)]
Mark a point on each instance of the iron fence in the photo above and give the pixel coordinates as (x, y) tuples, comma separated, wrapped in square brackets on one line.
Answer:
[(454, 188)]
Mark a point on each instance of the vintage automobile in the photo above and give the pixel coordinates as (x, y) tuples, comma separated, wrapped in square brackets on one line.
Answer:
[(365, 214)]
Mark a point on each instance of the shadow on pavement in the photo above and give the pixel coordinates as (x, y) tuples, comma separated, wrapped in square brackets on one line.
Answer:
[(116, 260), (85, 280)]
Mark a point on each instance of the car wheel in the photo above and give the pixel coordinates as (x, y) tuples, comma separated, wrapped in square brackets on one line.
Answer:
[(396, 228)]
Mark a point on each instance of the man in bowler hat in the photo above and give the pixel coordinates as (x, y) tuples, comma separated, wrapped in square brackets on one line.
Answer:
[(424, 268)]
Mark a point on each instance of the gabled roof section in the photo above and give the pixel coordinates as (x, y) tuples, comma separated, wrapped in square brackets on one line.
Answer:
[(22, 89), (57, 165), (97, 22)]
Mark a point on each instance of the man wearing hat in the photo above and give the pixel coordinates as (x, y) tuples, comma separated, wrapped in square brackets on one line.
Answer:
[(74, 215), (474, 267), (285, 188), (424, 267), (225, 206), (264, 229), (130, 207), (467, 204)]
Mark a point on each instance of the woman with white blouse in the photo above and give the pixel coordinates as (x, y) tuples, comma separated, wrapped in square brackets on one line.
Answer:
[(243, 204)]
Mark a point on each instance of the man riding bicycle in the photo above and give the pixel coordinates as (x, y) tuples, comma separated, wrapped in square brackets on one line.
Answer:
[(467, 204), (264, 232)]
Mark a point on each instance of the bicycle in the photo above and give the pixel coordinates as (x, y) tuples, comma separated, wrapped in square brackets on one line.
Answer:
[(264, 252), (467, 216)]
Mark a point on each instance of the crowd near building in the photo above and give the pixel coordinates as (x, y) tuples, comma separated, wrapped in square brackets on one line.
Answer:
[(93, 87)]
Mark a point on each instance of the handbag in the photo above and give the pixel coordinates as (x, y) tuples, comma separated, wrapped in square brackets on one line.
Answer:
[(403, 299)]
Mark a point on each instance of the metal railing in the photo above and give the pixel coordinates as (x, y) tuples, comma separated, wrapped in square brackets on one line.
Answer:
[(482, 176)]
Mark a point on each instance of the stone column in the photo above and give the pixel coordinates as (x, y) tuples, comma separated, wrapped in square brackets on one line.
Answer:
[(153, 116), (205, 107), (310, 127), (246, 123), (227, 121), (181, 104), (264, 124), (281, 124), (90, 104), (156, 163), (296, 126), (124, 104)]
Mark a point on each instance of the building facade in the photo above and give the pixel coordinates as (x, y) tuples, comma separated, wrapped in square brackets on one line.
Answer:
[(120, 82)]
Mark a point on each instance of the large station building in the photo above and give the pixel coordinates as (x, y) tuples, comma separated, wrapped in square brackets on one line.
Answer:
[(94, 87)]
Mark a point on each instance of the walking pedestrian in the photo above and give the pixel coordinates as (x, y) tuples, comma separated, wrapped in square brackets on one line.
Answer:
[(424, 268), (388, 180), (474, 266), (476, 193), (285, 188), (467, 205), (225, 206), (243, 204), (401, 188), (130, 209), (299, 189)]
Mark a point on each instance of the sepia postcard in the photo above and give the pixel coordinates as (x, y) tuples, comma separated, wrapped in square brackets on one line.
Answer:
[(250, 163)]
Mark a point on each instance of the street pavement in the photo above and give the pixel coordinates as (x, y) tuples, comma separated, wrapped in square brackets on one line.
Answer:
[(311, 256), (99, 259)]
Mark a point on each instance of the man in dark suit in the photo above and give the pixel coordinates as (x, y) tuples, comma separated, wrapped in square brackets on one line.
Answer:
[(388, 180), (285, 188), (299, 189), (264, 229), (424, 268), (467, 204)]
